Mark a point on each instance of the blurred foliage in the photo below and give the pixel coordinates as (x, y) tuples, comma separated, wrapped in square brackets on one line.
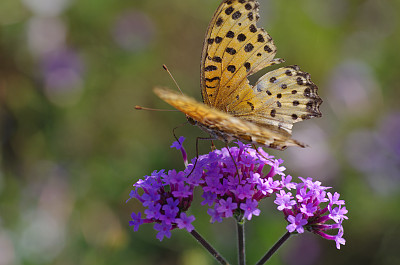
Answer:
[(72, 144)]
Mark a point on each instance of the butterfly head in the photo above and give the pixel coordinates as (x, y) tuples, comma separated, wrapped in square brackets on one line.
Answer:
[(191, 120)]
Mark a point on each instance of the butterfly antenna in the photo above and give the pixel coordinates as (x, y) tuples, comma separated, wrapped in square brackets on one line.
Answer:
[(166, 69), (137, 107)]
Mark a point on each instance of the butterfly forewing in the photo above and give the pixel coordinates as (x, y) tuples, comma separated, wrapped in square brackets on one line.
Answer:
[(224, 126), (234, 48)]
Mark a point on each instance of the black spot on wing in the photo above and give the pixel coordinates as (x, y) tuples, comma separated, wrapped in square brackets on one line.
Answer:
[(236, 15), (213, 79), (210, 68), (219, 22), (250, 104), (229, 10), (241, 37), (230, 34), (249, 47), (231, 68), (231, 51)]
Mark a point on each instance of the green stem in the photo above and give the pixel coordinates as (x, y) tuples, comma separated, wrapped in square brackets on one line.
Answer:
[(241, 247), (209, 248), (274, 248)]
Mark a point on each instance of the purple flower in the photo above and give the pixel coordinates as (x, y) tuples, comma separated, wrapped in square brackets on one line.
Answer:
[(209, 198), (244, 191), (153, 212), (137, 221), (215, 216), (250, 208), (179, 146), (175, 178), (296, 223), (132, 194), (284, 200), (334, 199), (182, 191), (166, 197), (337, 214), (226, 207), (149, 198), (264, 187), (287, 182), (339, 239), (184, 222), (168, 217), (171, 206), (164, 230), (308, 209), (276, 168)]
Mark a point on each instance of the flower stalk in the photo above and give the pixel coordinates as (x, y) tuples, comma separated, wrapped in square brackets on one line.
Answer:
[(241, 242), (208, 247), (274, 248)]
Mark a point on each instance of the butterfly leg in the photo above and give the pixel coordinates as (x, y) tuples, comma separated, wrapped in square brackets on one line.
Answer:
[(212, 146), (258, 151), (177, 127), (229, 151), (197, 151)]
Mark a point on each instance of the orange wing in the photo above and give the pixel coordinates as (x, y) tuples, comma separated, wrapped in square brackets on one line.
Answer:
[(235, 48), (224, 126)]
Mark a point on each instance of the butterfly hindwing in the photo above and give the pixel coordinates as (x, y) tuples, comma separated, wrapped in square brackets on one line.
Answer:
[(294, 95), (282, 97)]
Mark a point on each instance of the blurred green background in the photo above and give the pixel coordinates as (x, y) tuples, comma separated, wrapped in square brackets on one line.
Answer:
[(72, 144)]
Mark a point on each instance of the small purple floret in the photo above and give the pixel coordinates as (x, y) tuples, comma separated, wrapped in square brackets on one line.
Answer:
[(185, 222), (296, 223), (250, 208)]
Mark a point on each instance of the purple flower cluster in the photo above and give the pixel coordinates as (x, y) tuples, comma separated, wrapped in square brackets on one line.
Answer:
[(304, 210), (167, 197), (234, 180), (231, 194)]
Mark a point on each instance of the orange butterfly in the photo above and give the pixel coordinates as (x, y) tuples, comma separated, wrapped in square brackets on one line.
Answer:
[(263, 114)]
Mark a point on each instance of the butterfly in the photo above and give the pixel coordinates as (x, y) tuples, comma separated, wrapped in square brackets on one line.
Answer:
[(232, 108)]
